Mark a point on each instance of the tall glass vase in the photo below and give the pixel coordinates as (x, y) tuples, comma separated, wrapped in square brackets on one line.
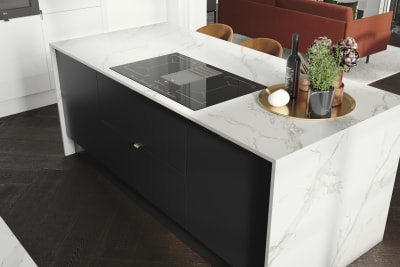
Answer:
[(319, 103)]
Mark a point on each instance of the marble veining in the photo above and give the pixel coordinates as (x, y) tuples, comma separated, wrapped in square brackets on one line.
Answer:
[(236, 120), (332, 180), (331, 205), (12, 253)]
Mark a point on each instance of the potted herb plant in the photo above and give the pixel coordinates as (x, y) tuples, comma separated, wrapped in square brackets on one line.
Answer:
[(322, 69), (346, 54)]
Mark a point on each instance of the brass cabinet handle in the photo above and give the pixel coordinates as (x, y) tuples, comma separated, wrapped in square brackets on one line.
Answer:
[(138, 145)]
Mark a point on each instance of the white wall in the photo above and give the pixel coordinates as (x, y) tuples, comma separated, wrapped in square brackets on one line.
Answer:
[(188, 14), (373, 7), (122, 14)]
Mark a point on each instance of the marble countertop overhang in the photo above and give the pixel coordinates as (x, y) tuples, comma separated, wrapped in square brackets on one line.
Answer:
[(241, 120)]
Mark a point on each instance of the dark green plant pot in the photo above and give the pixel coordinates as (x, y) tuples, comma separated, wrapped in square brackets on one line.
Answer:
[(319, 103)]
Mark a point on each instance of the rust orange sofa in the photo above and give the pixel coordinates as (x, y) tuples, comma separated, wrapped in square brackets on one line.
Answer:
[(278, 19)]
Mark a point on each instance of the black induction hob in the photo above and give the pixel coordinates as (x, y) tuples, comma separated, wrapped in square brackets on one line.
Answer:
[(187, 81)]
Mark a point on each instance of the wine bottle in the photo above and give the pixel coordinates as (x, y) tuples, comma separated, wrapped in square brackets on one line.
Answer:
[(293, 68)]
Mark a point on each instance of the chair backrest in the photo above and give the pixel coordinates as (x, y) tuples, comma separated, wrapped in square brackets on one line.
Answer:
[(218, 30), (266, 45)]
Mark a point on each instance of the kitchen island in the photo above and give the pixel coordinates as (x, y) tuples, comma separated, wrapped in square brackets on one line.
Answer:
[(325, 186)]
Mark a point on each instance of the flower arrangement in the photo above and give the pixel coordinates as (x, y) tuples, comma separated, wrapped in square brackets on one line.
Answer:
[(326, 61), (348, 53)]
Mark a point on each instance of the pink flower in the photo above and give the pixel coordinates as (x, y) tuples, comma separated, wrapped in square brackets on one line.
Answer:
[(345, 51), (349, 53)]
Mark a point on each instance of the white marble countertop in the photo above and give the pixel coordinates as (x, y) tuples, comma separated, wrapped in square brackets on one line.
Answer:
[(331, 180), (241, 120), (12, 253)]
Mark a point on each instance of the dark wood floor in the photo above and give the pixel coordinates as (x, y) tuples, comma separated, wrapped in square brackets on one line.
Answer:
[(390, 84), (69, 211)]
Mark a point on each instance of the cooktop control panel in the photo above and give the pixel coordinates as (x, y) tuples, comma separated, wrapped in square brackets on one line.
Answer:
[(187, 81)]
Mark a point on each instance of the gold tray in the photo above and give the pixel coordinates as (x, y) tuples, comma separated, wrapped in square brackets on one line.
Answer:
[(296, 108)]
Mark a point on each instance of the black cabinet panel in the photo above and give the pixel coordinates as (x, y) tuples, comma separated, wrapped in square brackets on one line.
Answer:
[(214, 189), (150, 146), (159, 130), (80, 100), (154, 180), (228, 194)]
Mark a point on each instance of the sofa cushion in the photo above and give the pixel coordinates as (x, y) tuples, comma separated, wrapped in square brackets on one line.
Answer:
[(267, 2), (318, 8)]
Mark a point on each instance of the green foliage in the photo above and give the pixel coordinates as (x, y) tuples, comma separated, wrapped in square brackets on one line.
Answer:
[(323, 64)]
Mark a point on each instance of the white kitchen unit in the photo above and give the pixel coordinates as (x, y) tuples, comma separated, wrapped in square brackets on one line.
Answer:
[(329, 185), (23, 69), (70, 23), (52, 6), (27, 80)]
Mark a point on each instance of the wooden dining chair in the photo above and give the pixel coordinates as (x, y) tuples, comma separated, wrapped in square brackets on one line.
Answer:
[(218, 30), (266, 45)]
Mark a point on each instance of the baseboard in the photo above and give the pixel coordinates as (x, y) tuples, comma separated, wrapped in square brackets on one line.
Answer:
[(21, 104)]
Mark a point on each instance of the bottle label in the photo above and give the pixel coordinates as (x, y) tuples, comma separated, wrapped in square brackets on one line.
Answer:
[(289, 80)]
